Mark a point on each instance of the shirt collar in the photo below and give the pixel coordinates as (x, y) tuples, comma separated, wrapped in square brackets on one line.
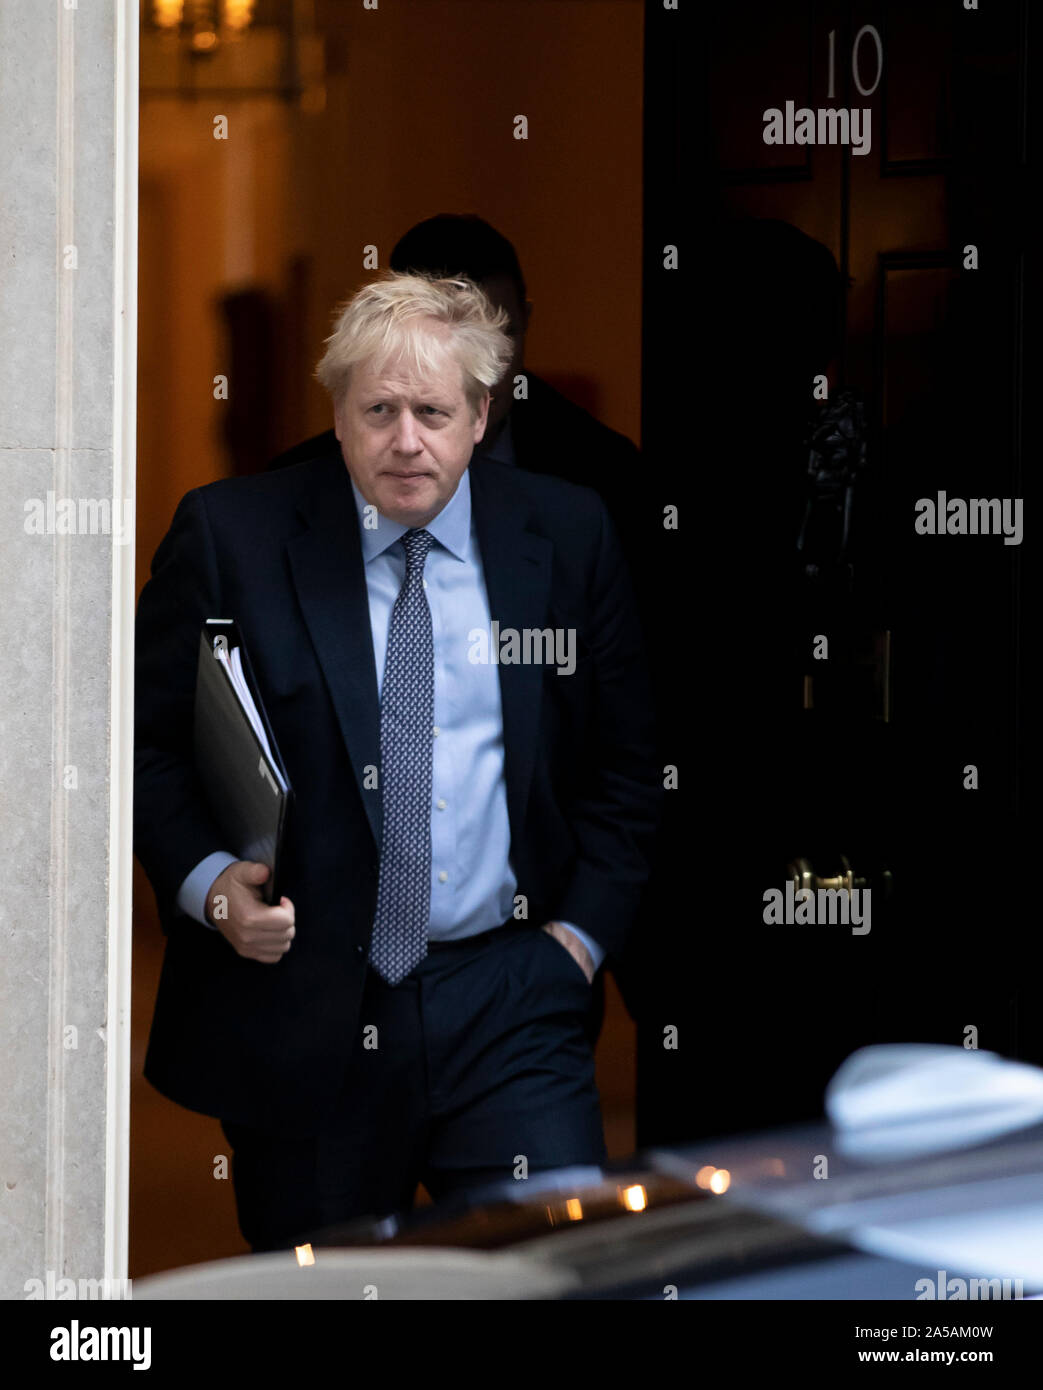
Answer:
[(451, 527)]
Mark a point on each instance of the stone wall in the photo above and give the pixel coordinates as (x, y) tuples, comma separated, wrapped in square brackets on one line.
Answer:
[(67, 253)]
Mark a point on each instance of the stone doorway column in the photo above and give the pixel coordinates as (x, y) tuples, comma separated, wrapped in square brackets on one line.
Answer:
[(68, 241)]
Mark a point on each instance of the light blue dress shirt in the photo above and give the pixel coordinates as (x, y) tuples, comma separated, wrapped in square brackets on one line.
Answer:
[(472, 881)]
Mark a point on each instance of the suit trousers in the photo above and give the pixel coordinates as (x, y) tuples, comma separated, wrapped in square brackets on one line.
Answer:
[(481, 1058)]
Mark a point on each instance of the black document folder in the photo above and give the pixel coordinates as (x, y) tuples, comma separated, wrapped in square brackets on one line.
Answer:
[(236, 755)]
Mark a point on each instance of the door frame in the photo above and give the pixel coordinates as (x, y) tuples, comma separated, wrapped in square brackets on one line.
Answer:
[(121, 689)]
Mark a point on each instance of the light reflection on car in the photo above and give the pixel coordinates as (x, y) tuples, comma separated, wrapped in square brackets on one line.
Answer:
[(748, 1218)]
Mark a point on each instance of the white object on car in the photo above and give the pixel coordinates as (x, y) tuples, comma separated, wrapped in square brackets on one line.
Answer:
[(898, 1100)]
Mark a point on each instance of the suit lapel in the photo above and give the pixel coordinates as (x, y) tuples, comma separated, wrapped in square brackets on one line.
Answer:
[(517, 567), (329, 576)]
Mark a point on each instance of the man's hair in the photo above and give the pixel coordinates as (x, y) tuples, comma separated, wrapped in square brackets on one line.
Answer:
[(458, 243), (425, 321)]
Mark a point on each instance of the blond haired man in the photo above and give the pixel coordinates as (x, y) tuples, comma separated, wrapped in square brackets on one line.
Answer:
[(452, 668)]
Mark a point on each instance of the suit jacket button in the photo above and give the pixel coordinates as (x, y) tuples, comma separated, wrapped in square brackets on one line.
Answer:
[(358, 950)]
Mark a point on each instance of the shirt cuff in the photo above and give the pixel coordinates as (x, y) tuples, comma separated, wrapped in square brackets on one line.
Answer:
[(195, 890), (597, 953)]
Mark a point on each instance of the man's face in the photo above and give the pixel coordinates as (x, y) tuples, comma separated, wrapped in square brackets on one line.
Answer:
[(502, 293), (406, 439)]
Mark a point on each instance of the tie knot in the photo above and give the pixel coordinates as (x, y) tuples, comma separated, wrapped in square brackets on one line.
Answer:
[(416, 545)]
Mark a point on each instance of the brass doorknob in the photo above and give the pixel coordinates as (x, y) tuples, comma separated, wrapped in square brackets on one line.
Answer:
[(802, 873)]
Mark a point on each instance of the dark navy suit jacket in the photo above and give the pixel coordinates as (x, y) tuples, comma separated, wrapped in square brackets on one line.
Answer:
[(280, 552)]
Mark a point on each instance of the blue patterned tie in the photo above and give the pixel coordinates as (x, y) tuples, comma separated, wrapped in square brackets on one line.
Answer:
[(407, 716)]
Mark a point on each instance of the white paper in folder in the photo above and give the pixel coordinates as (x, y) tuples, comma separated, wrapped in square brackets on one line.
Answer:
[(233, 664)]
